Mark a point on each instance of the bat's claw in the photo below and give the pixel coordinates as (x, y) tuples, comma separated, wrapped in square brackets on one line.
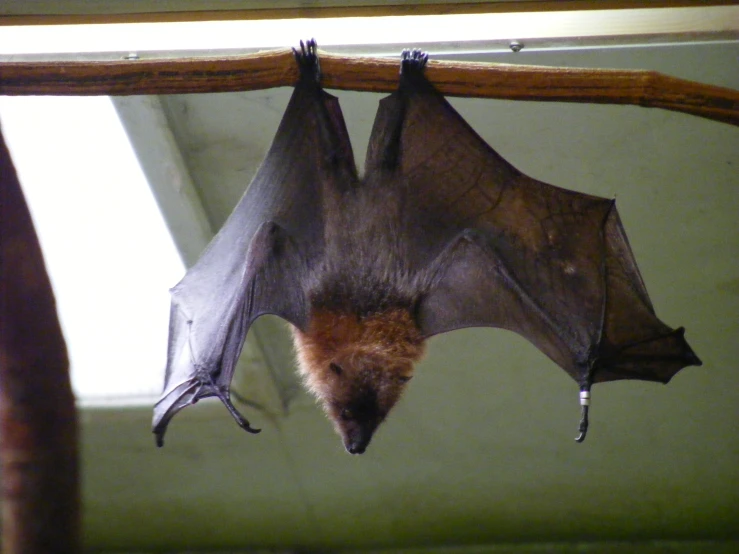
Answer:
[(307, 59), (412, 61), (583, 426), (241, 420)]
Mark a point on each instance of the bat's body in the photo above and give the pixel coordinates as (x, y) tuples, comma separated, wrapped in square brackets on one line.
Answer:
[(441, 233), (362, 338)]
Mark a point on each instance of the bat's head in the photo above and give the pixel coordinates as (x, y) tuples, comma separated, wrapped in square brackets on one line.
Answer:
[(358, 369), (358, 392)]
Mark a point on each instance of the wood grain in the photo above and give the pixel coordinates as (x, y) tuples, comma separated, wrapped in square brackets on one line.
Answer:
[(277, 68)]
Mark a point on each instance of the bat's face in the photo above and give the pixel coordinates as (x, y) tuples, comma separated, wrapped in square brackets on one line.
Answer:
[(357, 392)]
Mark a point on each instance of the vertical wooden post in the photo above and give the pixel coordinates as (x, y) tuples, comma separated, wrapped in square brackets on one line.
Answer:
[(38, 422)]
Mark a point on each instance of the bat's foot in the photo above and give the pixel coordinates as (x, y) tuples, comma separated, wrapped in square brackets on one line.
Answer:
[(307, 58), (412, 79), (413, 61)]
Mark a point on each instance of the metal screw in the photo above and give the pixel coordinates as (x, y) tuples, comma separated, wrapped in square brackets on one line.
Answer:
[(515, 46)]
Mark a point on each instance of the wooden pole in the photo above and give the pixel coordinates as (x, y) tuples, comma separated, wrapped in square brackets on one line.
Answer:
[(38, 425), (277, 68)]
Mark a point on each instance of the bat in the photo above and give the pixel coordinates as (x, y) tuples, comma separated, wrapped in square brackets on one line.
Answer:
[(440, 233)]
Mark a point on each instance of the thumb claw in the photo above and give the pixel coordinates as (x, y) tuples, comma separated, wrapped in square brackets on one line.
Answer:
[(240, 420), (583, 425)]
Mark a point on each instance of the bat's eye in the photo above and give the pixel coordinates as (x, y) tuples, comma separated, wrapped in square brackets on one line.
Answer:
[(336, 368), (404, 378), (347, 414)]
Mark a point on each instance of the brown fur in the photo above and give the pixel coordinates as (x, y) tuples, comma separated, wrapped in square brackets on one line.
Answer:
[(373, 359)]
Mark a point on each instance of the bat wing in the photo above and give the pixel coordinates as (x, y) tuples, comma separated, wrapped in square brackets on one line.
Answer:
[(260, 260), (498, 248)]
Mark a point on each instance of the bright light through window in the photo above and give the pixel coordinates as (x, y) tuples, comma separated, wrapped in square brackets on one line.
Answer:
[(410, 29), (109, 255)]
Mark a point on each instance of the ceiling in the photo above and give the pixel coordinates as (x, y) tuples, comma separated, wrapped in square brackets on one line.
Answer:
[(480, 450)]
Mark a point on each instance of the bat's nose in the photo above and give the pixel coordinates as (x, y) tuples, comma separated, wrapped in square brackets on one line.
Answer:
[(357, 433), (356, 448), (356, 442)]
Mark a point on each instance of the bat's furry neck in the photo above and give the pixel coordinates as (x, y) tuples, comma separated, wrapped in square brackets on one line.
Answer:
[(390, 337)]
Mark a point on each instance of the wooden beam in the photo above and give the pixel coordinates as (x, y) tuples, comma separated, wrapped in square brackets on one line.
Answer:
[(278, 68)]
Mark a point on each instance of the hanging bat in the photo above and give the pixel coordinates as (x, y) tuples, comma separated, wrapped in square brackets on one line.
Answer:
[(439, 234)]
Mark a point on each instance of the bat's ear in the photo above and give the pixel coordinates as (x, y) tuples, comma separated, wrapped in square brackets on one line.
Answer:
[(307, 58)]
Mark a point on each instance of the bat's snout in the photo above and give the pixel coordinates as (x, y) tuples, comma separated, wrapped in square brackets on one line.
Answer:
[(357, 439), (356, 447)]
